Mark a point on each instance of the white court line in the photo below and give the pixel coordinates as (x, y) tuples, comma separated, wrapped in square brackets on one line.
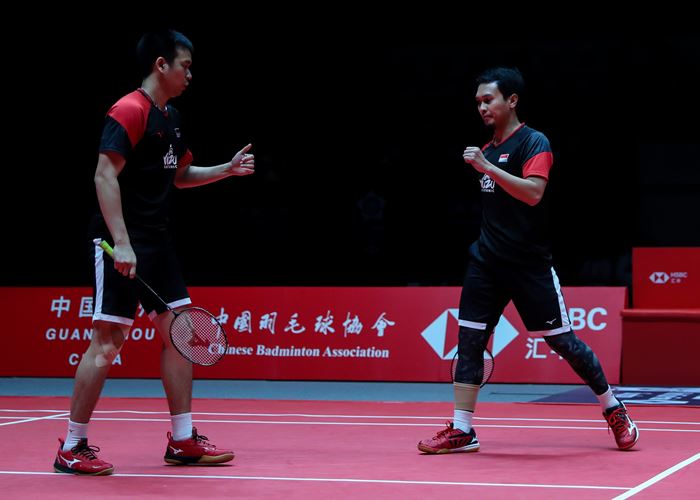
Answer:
[(651, 402), (368, 424), (342, 480), (27, 409), (59, 416), (398, 417), (62, 416), (401, 417), (15, 418), (658, 477)]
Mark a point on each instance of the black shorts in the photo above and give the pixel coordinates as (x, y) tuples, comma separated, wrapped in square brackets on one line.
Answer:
[(490, 283), (116, 297)]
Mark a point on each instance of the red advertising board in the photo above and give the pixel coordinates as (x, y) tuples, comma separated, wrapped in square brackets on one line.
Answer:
[(666, 278), (309, 333)]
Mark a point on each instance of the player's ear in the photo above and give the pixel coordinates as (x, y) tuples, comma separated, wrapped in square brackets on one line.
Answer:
[(513, 101)]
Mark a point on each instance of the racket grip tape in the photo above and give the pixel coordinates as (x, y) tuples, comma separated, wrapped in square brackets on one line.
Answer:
[(104, 246)]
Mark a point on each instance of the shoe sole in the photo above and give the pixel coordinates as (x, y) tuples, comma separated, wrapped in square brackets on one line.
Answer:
[(64, 470), (442, 451), (627, 447), (205, 459)]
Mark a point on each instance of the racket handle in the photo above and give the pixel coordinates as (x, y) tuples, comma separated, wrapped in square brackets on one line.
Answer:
[(104, 246), (110, 251)]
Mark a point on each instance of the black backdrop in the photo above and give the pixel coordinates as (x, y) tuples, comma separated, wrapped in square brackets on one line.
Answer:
[(358, 138)]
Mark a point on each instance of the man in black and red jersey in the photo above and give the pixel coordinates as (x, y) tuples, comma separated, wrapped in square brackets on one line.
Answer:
[(142, 155), (511, 260)]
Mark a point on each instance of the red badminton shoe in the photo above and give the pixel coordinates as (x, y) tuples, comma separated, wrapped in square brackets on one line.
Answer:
[(195, 450), (625, 431), (81, 459), (450, 440)]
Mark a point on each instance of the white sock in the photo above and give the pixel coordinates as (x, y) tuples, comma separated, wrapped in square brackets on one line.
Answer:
[(608, 399), (182, 426), (463, 420), (76, 432)]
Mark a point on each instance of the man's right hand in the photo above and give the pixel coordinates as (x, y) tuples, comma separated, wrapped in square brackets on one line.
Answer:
[(125, 260)]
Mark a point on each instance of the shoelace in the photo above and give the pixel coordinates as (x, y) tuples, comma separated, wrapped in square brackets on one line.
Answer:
[(446, 430), (618, 421), (86, 451), (201, 439)]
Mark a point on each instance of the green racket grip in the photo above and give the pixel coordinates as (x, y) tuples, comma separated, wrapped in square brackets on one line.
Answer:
[(104, 246), (99, 242)]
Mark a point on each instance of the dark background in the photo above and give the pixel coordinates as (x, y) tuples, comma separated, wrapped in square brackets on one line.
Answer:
[(358, 136)]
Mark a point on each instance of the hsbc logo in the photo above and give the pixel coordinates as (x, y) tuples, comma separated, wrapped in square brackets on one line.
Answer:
[(661, 278), (445, 346)]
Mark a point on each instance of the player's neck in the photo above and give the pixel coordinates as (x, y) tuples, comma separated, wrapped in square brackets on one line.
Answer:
[(157, 97), (502, 133)]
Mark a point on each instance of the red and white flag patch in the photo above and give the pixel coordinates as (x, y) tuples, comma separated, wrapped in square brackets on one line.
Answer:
[(503, 158)]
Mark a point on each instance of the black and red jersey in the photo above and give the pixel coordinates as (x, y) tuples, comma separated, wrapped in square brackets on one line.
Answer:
[(151, 141), (511, 229)]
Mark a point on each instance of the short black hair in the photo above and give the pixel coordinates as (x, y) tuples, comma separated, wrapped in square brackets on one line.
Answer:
[(509, 80), (160, 43)]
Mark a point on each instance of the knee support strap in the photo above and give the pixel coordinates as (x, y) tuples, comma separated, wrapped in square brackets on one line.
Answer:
[(470, 357)]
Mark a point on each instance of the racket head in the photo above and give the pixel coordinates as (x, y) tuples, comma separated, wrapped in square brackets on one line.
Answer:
[(198, 336), (488, 367)]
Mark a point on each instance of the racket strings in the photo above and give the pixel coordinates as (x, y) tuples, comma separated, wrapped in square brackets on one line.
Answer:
[(198, 336), (488, 369)]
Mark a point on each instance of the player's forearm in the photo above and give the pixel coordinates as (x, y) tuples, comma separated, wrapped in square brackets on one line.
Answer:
[(193, 176), (109, 197), (524, 190)]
